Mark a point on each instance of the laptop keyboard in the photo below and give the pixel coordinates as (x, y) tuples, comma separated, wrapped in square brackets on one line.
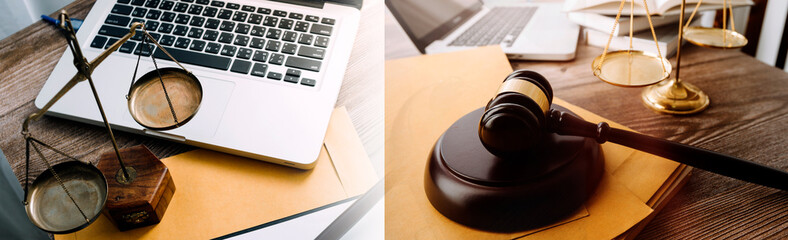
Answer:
[(239, 39), (502, 25)]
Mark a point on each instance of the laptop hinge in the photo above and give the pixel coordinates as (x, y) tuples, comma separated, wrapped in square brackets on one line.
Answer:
[(307, 3), (350, 3)]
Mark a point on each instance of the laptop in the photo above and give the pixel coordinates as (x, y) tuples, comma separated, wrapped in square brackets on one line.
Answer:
[(270, 71), (525, 30)]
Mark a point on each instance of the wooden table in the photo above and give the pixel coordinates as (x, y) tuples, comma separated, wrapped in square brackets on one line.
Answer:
[(748, 118), (28, 57)]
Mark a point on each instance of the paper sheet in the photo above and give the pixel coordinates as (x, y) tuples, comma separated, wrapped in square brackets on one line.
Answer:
[(426, 94), (218, 193)]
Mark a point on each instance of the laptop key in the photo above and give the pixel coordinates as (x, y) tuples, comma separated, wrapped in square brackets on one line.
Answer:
[(273, 33), (110, 42), (293, 72), (244, 53), (276, 59), (248, 8), (312, 18), (255, 18), (137, 2), (197, 45), (260, 56), (210, 12), (257, 43), (124, 1), (212, 23), (203, 2), (303, 63), (289, 48), (259, 69), (139, 12), (257, 31), (113, 31), (165, 28), (226, 37), (166, 5), (290, 36), (122, 9), (213, 47), (305, 39), (301, 26), (195, 9), (296, 16), (152, 3), (280, 13), (240, 16), (182, 19), (180, 30), (328, 21), (286, 24), (225, 14), (229, 50), (241, 40), (217, 3), (153, 14), (181, 7), (167, 16), (308, 82), (151, 25), (197, 21), (275, 75), (273, 46), (210, 35), (144, 49), (291, 79), (242, 28), (188, 1), (241, 66), (233, 6), (270, 21), (227, 26), (199, 59), (306, 51), (196, 33), (117, 20), (264, 10), (182, 42), (98, 42), (167, 40), (154, 35), (127, 47), (321, 29), (321, 41)]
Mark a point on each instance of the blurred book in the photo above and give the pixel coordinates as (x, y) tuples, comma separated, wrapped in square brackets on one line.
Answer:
[(655, 7), (604, 23), (667, 39)]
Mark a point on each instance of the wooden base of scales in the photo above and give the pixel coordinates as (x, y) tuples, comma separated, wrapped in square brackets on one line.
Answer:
[(143, 200)]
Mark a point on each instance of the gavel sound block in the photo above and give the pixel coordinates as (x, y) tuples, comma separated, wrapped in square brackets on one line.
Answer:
[(143, 201)]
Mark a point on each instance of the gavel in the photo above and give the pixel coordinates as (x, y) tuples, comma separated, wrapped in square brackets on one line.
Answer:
[(520, 114), (521, 163)]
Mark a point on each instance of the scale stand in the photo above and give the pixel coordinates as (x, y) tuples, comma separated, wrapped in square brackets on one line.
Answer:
[(131, 186)]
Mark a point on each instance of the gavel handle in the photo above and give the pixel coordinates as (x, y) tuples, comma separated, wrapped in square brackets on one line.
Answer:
[(567, 124)]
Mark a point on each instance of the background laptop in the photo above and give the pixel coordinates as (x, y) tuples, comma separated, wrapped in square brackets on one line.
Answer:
[(533, 31), (270, 71)]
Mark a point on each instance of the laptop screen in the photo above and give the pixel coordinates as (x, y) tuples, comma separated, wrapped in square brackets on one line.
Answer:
[(427, 21)]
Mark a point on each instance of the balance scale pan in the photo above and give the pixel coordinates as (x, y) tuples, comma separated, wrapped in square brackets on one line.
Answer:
[(631, 68), (50, 208), (148, 103), (714, 37)]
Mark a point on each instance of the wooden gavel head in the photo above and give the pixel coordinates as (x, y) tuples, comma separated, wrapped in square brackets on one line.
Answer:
[(514, 120)]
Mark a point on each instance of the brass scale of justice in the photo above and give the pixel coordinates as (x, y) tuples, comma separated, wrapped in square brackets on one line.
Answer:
[(632, 68), (69, 196)]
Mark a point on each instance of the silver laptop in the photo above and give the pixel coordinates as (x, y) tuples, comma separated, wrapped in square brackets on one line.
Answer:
[(529, 31), (270, 71)]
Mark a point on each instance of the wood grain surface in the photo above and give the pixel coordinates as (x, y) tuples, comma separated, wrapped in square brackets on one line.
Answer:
[(748, 118), (28, 57)]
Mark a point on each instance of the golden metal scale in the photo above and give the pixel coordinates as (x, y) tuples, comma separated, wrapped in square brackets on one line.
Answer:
[(70, 195), (630, 68)]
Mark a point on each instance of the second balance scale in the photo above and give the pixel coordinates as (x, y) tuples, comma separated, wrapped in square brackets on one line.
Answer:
[(663, 94), (131, 186)]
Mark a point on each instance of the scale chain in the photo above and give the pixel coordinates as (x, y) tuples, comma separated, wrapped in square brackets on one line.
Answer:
[(604, 53), (59, 181), (654, 35)]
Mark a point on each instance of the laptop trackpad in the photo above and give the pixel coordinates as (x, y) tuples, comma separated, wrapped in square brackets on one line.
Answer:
[(216, 94)]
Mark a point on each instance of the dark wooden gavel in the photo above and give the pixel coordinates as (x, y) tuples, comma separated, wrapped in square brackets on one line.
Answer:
[(515, 120)]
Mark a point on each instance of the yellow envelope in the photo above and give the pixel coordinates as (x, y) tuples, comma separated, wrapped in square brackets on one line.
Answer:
[(217, 193), (426, 94)]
